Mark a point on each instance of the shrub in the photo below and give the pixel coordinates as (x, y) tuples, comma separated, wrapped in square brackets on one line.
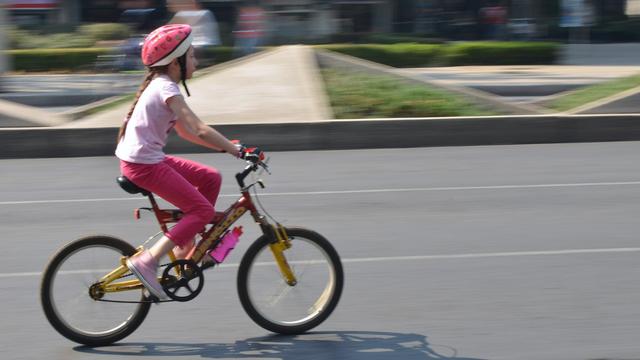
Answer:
[(45, 29), (216, 55), (22, 39), (80, 59), (501, 53), (381, 38), (468, 53), (397, 55), (401, 38), (18, 39), (107, 31), (54, 59)]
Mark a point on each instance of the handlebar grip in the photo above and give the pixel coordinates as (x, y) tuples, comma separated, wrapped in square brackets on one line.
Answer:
[(241, 176)]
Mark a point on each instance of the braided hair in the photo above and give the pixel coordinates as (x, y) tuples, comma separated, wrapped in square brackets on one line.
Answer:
[(151, 73)]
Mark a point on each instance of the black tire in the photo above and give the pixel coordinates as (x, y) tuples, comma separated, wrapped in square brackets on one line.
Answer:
[(63, 325), (323, 249)]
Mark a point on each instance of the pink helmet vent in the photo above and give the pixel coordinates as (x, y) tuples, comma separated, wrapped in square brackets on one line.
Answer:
[(166, 43)]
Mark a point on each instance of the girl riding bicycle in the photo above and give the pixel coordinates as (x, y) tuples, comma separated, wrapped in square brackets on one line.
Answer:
[(159, 107)]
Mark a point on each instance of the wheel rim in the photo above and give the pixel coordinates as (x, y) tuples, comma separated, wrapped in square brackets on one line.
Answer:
[(296, 305), (70, 299)]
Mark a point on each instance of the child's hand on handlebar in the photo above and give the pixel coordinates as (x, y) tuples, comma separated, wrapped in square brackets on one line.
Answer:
[(253, 154)]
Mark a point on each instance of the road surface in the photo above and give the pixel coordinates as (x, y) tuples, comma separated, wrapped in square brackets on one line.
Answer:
[(497, 252)]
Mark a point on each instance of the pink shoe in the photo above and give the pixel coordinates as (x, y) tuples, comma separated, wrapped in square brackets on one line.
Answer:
[(145, 267)]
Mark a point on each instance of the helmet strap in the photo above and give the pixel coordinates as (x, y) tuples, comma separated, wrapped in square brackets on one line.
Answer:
[(182, 60)]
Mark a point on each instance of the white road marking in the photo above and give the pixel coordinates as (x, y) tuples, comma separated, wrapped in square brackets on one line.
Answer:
[(362, 191), (394, 258)]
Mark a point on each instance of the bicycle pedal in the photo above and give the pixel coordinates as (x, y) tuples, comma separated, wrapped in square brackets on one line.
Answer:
[(207, 263)]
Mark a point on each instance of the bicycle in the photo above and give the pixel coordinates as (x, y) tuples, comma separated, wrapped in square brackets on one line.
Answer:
[(289, 289)]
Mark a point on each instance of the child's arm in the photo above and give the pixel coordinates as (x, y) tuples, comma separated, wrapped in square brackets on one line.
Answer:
[(191, 128)]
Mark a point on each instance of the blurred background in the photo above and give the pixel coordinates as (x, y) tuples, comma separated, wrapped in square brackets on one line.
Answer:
[(323, 21), (121, 24), (105, 36)]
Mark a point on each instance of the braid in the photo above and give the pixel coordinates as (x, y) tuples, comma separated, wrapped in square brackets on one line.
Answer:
[(151, 73)]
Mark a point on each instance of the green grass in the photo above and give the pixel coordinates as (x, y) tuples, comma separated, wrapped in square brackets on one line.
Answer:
[(592, 93), (359, 95)]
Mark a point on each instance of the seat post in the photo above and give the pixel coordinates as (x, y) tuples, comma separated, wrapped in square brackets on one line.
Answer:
[(156, 211)]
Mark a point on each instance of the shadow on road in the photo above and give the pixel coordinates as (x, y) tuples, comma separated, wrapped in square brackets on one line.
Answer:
[(353, 345)]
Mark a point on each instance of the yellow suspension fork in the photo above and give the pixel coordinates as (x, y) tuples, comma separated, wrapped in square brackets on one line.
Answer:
[(277, 248)]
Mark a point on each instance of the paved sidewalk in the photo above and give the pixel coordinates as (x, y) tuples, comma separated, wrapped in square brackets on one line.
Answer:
[(527, 74), (277, 86)]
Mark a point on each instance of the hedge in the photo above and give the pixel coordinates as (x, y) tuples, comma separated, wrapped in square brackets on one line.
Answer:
[(54, 59), (217, 55), (34, 60), (502, 53), (382, 38), (106, 31), (465, 53), (21, 39), (397, 55)]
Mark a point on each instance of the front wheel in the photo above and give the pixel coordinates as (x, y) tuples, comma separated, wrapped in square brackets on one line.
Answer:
[(66, 298), (291, 309)]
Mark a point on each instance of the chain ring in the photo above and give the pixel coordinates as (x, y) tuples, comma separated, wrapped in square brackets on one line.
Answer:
[(172, 283)]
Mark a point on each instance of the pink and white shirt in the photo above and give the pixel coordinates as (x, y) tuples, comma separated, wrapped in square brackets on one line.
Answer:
[(152, 120)]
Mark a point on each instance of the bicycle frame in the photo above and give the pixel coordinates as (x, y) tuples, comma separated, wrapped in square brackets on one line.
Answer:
[(220, 224)]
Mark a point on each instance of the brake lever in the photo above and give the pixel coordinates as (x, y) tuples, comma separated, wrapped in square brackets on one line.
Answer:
[(265, 167)]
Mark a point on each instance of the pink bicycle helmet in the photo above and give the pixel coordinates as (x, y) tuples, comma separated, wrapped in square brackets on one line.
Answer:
[(166, 43)]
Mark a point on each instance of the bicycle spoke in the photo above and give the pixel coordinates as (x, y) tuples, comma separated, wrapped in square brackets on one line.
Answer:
[(291, 309), (66, 297)]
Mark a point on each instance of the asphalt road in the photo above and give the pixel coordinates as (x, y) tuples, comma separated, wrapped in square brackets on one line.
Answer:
[(501, 252)]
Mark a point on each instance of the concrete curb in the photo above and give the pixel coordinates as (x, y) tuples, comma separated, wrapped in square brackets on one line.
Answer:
[(314, 83), (344, 134), (82, 111)]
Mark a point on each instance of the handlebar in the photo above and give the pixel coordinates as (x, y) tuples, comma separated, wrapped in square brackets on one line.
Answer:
[(251, 167)]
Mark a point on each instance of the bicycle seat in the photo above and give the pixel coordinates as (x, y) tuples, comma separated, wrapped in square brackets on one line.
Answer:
[(130, 187)]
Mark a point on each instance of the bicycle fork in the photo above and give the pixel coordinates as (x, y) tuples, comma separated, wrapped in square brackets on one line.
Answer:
[(279, 242)]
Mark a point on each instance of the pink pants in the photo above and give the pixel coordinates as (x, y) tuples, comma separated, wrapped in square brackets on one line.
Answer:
[(190, 186)]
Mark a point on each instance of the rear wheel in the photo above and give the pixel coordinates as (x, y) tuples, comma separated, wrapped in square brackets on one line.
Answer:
[(291, 309), (66, 300)]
